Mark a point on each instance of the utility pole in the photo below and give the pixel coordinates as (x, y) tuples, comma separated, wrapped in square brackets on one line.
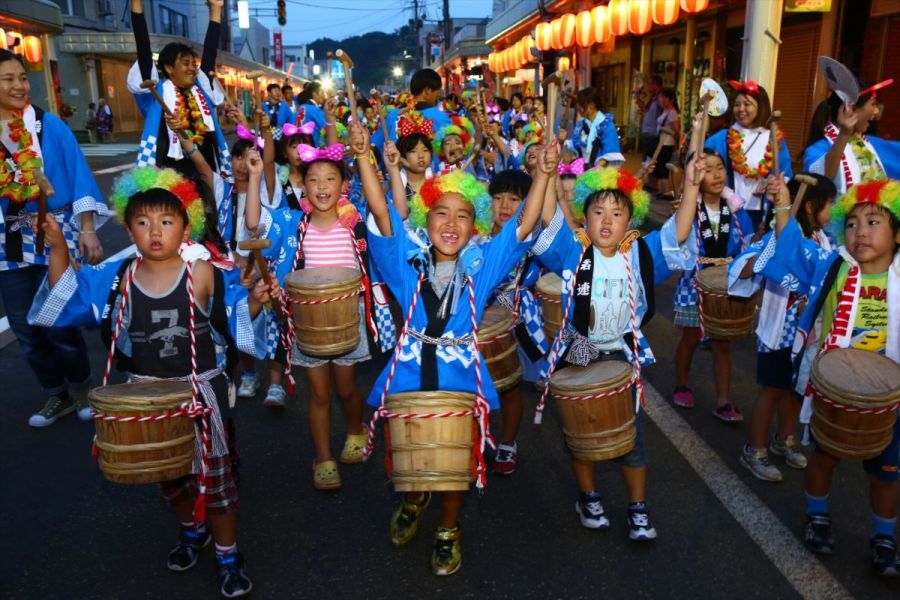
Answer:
[(447, 27)]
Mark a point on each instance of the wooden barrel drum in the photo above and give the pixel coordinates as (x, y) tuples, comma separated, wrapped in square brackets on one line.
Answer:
[(150, 451), (498, 346), (724, 317), (326, 322), (860, 380), (549, 291), (596, 428)]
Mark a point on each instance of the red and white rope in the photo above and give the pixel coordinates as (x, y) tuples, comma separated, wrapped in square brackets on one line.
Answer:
[(482, 408), (853, 409), (126, 290)]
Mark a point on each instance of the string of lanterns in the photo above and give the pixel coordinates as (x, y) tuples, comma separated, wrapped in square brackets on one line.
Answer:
[(594, 26), (27, 46)]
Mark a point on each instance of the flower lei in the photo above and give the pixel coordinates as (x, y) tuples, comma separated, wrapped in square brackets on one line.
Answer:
[(735, 141), (190, 117), (27, 162), (868, 165)]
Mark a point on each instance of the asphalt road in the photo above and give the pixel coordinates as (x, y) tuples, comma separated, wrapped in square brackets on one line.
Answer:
[(68, 533)]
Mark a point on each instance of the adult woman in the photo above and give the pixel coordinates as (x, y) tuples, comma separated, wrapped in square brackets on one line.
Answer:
[(747, 148), (667, 119), (104, 121), (32, 141), (187, 92)]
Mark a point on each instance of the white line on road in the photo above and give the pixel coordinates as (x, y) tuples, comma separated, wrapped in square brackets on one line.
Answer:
[(109, 170), (804, 572)]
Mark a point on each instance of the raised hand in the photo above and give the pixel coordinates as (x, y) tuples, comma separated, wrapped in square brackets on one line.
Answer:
[(264, 121), (254, 162), (548, 158), (847, 119), (53, 235), (391, 155), (358, 138), (330, 106)]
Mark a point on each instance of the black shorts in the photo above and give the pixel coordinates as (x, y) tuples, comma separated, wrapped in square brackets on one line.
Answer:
[(648, 144), (775, 369)]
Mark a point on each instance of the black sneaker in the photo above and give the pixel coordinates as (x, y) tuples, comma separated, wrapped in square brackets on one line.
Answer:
[(640, 528), (885, 560), (590, 511), (817, 534), (184, 555), (235, 581)]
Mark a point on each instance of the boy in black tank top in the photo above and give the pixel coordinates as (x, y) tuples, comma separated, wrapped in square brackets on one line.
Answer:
[(161, 210)]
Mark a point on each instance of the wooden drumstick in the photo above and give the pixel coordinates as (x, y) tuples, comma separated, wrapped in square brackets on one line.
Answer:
[(674, 171), (151, 85), (775, 171), (551, 83), (255, 247), (805, 181), (382, 121), (257, 95), (348, 80), (46, 191)]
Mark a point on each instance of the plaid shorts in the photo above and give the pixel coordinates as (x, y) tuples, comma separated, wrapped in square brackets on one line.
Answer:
[(221, 492), (687, 316)]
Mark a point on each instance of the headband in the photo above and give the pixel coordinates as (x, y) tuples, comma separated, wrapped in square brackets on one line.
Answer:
[(412, 122)]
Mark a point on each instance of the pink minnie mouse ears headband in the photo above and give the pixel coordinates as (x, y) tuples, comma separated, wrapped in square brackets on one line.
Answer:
[(308, 154)]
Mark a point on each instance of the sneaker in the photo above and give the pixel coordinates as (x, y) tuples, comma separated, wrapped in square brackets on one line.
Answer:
[(683, 397), (728, 413), (446, 558), (640, 528), (790, 450), (505, 459), (184, 555), (235, 581), (756, 460), (53, 410), (249, 385), (274, 397), (885, 560), (817, 534), (405, 520), (590, 511), (82, 406)]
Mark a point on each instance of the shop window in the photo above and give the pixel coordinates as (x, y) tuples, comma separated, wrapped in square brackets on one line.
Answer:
[(173, 23), (73, 8)]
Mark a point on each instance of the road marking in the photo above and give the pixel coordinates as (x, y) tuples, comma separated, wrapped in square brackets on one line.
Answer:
[(117, 169), (804, 572)]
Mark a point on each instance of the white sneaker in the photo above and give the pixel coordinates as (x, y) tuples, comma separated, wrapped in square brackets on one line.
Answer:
[(249, 385), (756, 460), (789, 449), (82, 406), (275, 396), (591, 512), (53, 410)]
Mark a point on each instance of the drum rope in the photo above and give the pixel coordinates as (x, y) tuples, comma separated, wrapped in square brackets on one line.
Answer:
[(327, 300), (853, 409), (598, 395), (126, 290), (636, 374), (482, 408)]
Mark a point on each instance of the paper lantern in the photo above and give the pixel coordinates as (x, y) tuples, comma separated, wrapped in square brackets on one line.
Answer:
[(567, 31), (523, 51), (564, 63), (529, 44), (543, 35), (618, 17), (16, 48), (3, 39), (694, 6), (584, 29), (665, 12), (600, 23), (33, 49), (639, 17)]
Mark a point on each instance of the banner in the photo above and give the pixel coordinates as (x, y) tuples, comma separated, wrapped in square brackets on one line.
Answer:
[(279, 50)]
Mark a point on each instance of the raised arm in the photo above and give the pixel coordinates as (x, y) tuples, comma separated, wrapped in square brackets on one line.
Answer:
[(847, 120), (398, 190), (331, 132), (213, 30), (252, 209), (551, 196), (687, 210), (548, 160), (268, 156), (190, 149), (141, 39), (377, 203)]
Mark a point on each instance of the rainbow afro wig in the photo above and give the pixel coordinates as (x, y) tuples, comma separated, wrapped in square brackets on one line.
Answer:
[(881, 192), (455, 182), (459, 126), (142, 179), (611, 178)]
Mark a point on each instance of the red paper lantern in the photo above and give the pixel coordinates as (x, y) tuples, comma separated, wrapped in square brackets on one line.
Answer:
[(618, 17), (584, 29), (639, 17), (694, 6), (600, 22), (665, 12), (543, 35), (33, 50)]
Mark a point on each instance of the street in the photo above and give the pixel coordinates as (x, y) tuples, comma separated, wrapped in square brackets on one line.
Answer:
[(68, 533)]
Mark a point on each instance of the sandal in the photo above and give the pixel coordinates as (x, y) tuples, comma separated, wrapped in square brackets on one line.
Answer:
[(326, 476), (354, 447)]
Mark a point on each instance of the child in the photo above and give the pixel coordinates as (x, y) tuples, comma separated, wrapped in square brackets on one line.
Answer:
[(326, 232), (720, 229), (415, 155), (779, 316), (567, 175), (597, 267), (453, 143), (857, 284), (530, 139), (161, 210), (450, 207)]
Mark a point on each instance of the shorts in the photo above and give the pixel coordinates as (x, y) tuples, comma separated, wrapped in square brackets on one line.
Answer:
[(357, 355), (221, 492), (665, 156), (775, 369), (686, 316)]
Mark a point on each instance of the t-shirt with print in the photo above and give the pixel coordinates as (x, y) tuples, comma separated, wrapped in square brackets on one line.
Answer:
[(609, 302), (870, 325)]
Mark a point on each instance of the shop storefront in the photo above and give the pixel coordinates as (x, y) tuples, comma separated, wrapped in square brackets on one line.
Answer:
[(27, 28)]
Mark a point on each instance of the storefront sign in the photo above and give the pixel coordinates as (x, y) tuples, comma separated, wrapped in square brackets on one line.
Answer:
[(279, 50), (807, 6)]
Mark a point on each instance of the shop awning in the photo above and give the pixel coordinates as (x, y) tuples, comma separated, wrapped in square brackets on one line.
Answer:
[(31, 16)]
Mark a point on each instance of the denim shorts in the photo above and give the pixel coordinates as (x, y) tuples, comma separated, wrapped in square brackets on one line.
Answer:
[(357, 355)]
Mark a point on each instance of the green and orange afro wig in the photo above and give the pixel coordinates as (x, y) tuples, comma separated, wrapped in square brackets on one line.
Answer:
[(611, 178), (884, 193), (143, 179), (460, 126), (455, 182)]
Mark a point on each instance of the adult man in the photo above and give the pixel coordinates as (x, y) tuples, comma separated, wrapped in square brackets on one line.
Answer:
[(649, 105)]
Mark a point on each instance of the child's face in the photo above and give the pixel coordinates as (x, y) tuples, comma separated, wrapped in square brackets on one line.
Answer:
[(870, 238), (567, 189), (239, 166), (418, 159), (158, 232), (528, 104), (745, 110), (714, 180), (505, 205), (450, 223), (516, 103), (292, 155), (323, 183), (606, 220), (539, 107), (531, 157), (820, 219), (370, 113), (866, 113), (453, 149)]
